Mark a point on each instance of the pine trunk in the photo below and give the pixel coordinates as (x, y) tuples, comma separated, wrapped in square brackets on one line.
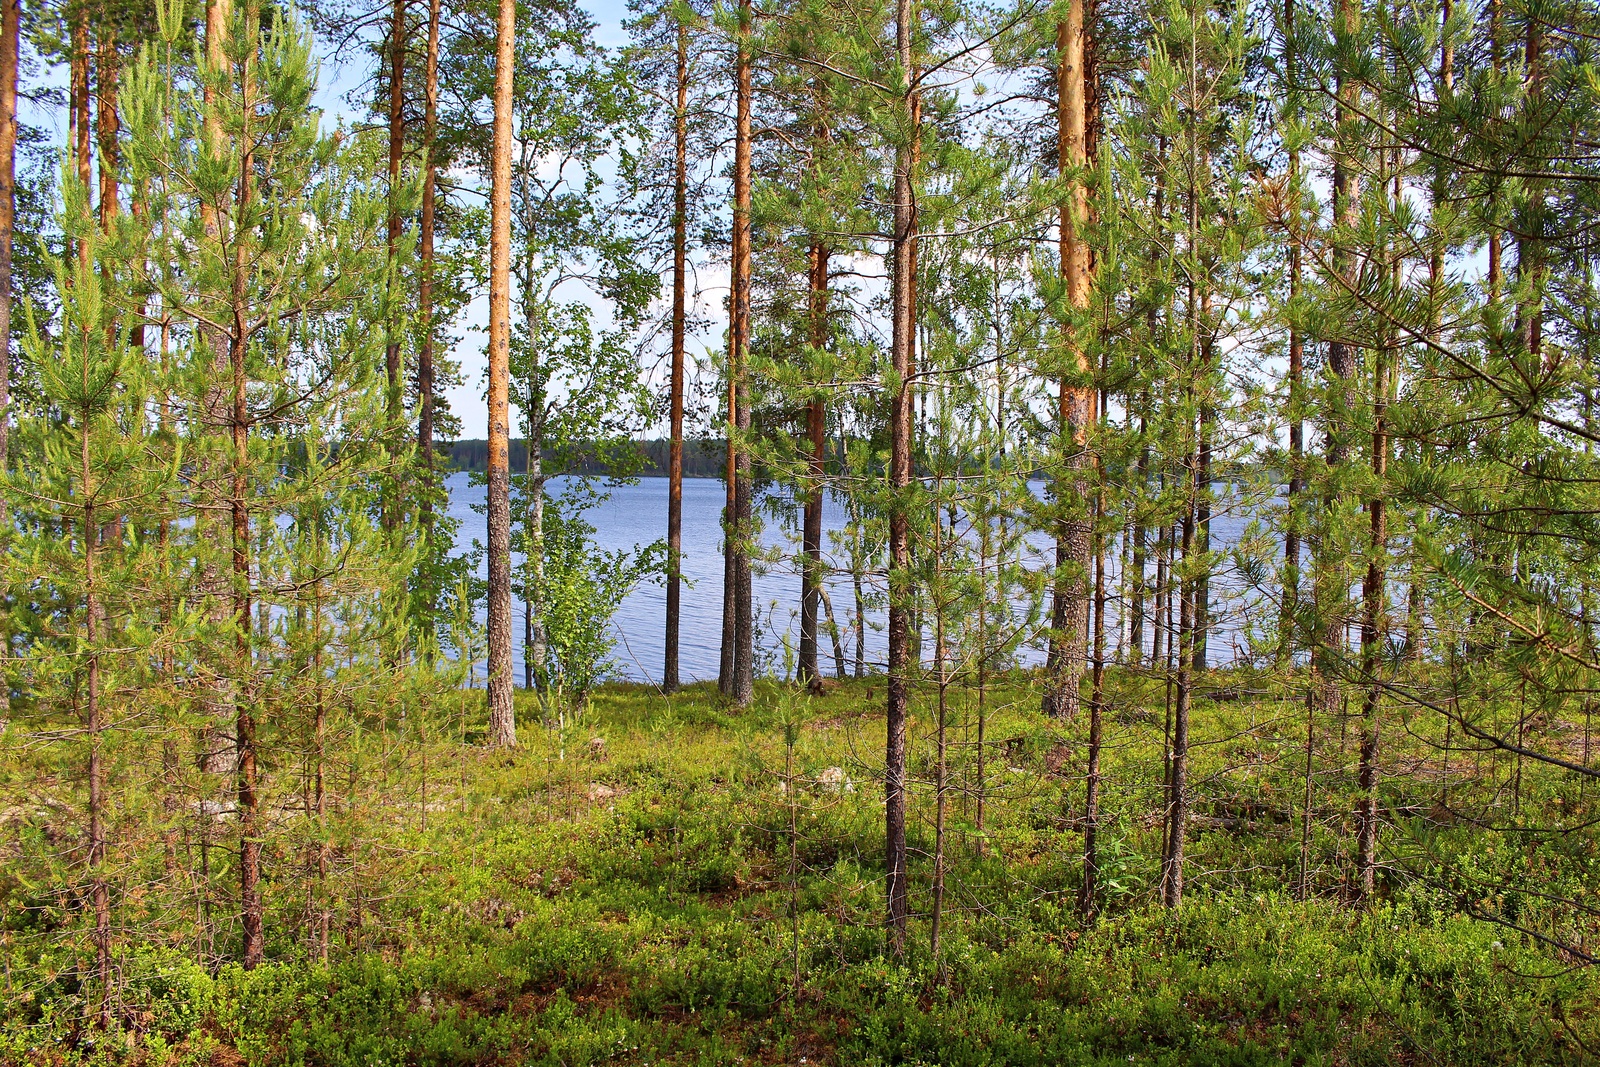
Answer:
[(1089, 892), (901, 593), (680, 276), (250, 903), (106, 76), (78, 107), (1374, 614), (1291, 527), (1330, 592), (10, 37), (244, 713), (94, 727), (425, 372), (811, 571), (743, 689), (391, 356), (1208, 418), (1178, 747), (218, 755), (1075, 397), (502, 715)]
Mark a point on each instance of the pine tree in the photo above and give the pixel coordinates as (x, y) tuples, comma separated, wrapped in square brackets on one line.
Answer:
[(10, 34), (670, 53), (502, 714), (737, 679), (283, 282), (96, 460)]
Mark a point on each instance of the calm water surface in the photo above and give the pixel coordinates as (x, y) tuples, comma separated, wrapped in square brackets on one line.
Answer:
[(636, 515)]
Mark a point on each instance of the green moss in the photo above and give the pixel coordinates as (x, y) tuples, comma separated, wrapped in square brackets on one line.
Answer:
[(527, 915)]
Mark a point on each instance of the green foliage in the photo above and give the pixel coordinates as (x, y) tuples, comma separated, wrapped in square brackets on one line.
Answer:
[(533, 917), (581, 589)]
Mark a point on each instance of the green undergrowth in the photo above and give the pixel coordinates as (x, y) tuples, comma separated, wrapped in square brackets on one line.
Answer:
[(644, 889)]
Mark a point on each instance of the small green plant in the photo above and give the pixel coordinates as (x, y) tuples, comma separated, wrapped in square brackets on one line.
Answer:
[(465, 632), (583, 587)]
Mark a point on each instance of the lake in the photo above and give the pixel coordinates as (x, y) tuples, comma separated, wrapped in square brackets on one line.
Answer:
[(636, 515)]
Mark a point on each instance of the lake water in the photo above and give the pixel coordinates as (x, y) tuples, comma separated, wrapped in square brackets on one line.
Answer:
[(636, 515)]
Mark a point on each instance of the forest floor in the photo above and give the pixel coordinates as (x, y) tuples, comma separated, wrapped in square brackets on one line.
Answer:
[(679, 882)]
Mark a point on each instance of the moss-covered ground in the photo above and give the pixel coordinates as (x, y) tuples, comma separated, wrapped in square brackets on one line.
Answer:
[(674, 881)]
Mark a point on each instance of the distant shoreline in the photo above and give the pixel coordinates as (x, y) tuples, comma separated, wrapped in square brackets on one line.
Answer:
[(641, 474), (701, 458)]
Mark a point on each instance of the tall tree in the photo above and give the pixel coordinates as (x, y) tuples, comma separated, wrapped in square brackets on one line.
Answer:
[(680, 283), (107, 62), (95, 461), (10, 40), (1075, 409), (1331, 586), (899, 384), (78, 132), (399, 40), (739, 681), (425, 285), (272, 251), (1295, 401), (811, 569), (502, 715)]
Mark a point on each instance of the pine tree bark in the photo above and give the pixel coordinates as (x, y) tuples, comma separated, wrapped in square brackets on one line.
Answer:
[(1075, 397), (1178, 749), (217, 743), (1208, 419), (1495, 269), (743, 690), (10, 39), (811, 572), (391, 355), (106, 77), (901, 593), (78, 108), (813, 594), (1331, 596), (1290, 591), (941, 764), (249, 801), (502, 715), (1374, 588), (1374, 614), (1144, 608), (1532, 271), (94, 727), (1416, 572), (1138, 608), (1181, 573), (680, 278), (425, 371), (1088, 893)]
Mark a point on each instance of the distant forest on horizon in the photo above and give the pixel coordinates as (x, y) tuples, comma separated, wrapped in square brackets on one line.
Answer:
[(701, 459)]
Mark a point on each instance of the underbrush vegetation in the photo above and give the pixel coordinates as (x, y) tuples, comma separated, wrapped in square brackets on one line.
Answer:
[(665, 882)]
